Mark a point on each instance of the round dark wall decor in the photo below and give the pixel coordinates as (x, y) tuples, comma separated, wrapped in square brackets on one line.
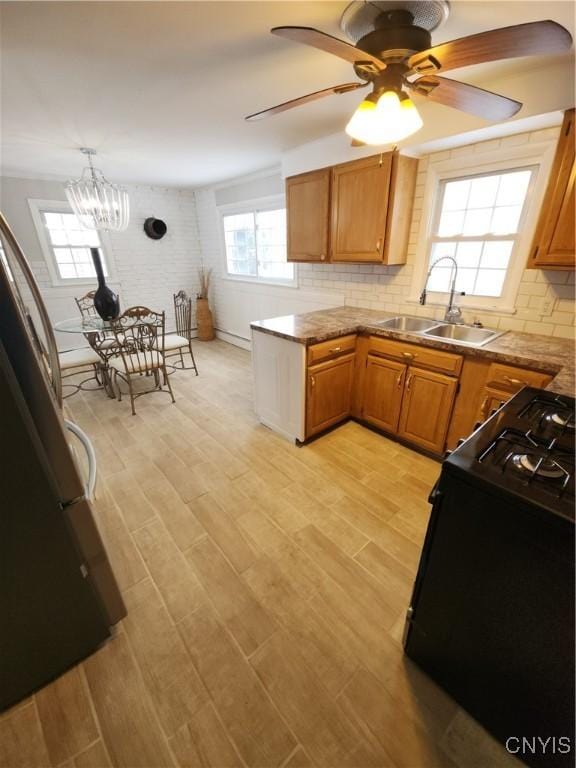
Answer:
[(155, 228)]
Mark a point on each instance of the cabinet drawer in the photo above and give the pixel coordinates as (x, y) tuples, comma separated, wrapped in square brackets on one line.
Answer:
[(423, 357), (333, 348), (511, 379)]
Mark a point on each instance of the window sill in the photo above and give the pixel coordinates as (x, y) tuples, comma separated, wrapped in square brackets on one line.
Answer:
[(260, 281)]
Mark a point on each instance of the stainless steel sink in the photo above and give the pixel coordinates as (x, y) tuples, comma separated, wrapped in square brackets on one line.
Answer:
[(463, 334), (407, 323)]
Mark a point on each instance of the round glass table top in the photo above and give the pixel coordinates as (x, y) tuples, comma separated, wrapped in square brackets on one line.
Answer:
[(92, 324)]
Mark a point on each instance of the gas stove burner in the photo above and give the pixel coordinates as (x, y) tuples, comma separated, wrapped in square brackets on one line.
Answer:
[(561, 420), (537, 466)]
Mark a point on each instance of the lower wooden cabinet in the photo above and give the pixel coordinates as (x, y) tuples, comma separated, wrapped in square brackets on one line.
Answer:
[(329, 391), (427, 408), (383, 390), (491, 401)]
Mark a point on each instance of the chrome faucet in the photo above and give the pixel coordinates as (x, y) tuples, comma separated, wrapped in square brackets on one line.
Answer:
[(453, 313)]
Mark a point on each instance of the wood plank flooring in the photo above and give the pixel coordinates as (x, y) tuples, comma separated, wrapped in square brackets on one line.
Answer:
[(266, 587)]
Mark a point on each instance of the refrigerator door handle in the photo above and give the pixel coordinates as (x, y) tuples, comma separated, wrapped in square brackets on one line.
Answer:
[(90, 454), (52, 351)]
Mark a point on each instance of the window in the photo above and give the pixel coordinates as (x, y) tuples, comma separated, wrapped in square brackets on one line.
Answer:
[(70, 245), (477, 222), (66, 243), (255, 244)]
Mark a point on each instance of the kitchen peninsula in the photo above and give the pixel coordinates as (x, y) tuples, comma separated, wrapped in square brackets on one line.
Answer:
[(315, 370)]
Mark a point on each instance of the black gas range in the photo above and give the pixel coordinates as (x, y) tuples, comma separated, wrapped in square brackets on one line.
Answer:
[(492, 611)]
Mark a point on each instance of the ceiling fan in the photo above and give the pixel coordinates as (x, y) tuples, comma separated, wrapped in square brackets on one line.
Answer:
[(392, 51)]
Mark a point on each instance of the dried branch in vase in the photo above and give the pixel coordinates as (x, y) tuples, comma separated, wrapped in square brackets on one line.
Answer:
[(204, 276)]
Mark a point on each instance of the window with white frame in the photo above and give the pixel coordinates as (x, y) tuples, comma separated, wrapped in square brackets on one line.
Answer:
[(477, 221), (66, 243), (255, 244)]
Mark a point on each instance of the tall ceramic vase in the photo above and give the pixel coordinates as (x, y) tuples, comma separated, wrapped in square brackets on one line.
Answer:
[(204, 320), (106, 302)]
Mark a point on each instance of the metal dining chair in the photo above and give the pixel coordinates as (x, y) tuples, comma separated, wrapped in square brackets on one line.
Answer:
[(139, 351), (177, 343), (78, 361)]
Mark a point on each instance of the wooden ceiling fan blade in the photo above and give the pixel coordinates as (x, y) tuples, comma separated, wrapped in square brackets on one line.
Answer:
[(344, 88), (333, 45), (532, 39), (468, 98)]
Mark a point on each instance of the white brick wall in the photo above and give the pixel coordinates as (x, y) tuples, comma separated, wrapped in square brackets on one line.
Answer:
[(147, 271), (386, 288)]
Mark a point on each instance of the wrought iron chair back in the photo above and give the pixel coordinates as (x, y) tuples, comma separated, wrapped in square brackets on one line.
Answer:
[(183, 314), (139, 335), (86, 304)]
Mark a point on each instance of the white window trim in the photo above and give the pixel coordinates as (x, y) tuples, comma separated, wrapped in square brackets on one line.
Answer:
[(61, 206), (269, 203), (538, 155)]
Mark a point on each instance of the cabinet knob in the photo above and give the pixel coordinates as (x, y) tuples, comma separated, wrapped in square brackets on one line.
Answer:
[(399, 379), (409, 382), (322, 256), (378, 245), (408, 355), (312, 382), (335, 349)]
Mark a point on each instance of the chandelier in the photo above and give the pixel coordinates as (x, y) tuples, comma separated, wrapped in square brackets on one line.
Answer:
[(97, 203)]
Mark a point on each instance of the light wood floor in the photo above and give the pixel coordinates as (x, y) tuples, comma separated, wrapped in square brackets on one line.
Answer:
[(266, 588)]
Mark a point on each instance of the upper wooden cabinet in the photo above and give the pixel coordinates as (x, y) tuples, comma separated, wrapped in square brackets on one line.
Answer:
[(360, 193), (307, 211), (553, 246), (360, 211)]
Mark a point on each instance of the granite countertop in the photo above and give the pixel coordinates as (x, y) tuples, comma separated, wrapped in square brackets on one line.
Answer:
[(543, 353)]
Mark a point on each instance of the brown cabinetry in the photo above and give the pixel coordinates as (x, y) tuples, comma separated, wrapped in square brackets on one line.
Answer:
[(307, 211), (383, 391), (329, 389), (355, 212), (502, 382), (409, 390), (553, 246), (360, 193), (427, 408)]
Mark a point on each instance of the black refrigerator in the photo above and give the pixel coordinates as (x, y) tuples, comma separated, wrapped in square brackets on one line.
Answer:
[(58, 596)]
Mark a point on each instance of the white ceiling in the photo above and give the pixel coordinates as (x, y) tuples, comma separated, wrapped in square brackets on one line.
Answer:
[(160, 89)]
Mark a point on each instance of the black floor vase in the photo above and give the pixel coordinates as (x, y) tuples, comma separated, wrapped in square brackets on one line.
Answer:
[(106, 302)]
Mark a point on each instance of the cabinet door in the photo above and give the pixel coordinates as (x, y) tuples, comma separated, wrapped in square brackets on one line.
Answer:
[(328, 393), (308, 215), (427, 408), (383, 388), (360, 194), (492, 400), (554, 245)]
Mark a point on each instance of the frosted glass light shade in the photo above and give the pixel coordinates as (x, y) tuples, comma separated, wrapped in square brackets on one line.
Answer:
[(97, 203), (384, 122)]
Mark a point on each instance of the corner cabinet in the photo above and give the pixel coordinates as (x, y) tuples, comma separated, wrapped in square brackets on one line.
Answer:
[(307, 211), (329, 393), (554, 246), (356, 212)]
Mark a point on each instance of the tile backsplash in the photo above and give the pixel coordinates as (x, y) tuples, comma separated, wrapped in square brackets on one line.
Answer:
[(388, 288)]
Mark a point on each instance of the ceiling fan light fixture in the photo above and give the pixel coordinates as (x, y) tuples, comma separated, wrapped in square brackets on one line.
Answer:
[(384, 120)]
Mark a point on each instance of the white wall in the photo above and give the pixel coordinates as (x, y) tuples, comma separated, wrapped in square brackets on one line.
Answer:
[(147, 271), (371, 286)]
